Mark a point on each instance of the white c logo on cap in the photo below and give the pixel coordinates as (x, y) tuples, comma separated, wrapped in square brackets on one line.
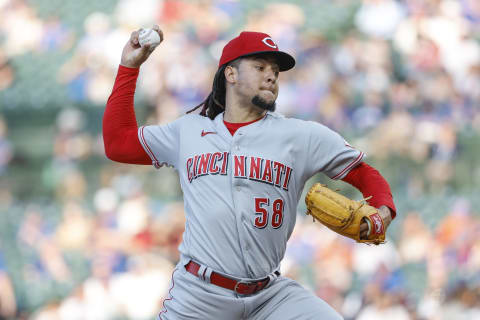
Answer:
[(269, 42)]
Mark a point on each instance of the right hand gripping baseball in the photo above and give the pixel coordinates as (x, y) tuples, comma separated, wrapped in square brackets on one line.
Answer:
[(134, 54)]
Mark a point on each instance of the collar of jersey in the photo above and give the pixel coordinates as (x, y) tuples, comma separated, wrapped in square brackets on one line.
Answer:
[(269, 113), (222, 128)]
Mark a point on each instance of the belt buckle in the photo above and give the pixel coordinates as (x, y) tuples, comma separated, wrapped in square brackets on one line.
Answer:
[(235, 289)]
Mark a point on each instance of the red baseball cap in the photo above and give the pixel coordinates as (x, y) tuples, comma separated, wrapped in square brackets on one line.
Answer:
[(252, 43)]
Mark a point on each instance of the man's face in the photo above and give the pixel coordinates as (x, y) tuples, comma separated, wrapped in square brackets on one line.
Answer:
[(257, 81)]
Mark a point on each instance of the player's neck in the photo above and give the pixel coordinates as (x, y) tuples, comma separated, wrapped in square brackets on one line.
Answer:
[(237, 113)]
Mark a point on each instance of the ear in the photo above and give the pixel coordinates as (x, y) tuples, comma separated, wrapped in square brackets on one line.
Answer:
[(231, 74)]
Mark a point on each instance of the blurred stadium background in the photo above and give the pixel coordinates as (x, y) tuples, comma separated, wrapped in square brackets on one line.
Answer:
[(85, 238)]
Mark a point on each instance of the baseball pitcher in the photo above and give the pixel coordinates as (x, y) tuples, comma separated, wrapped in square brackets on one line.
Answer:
[(242, 169)]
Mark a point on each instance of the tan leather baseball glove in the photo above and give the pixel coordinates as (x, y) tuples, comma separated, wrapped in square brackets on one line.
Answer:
[(344, 215)]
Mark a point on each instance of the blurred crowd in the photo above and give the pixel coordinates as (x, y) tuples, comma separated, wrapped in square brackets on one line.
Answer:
[(399, 78)]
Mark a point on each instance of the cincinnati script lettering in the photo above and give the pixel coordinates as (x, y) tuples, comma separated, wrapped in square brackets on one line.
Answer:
[(244, 167)]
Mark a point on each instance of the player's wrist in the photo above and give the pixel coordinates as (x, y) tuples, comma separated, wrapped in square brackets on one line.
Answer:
[(130, 64), (386, 215)]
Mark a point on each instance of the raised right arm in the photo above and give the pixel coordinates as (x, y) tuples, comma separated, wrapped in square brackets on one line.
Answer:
[(119, 123)]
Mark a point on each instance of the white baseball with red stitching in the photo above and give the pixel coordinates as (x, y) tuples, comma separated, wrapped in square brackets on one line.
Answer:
[(148, 36)]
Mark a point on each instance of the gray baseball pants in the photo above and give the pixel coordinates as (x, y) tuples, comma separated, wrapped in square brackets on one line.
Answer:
[(190, 297)]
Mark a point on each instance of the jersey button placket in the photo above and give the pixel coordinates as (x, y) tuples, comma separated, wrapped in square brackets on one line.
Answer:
[(241, 219), (236, 146)]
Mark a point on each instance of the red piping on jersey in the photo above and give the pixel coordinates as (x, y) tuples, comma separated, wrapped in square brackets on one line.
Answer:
[(371, 183), (149, 151), (120, 131), (167, 299), (351, 165)]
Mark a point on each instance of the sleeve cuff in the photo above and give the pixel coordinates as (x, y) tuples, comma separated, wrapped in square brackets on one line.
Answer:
[(390, 205), (347, 169), (127, 70), (393, 211)]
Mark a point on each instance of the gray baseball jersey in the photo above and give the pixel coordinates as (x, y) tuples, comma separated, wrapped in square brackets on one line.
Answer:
[(241, 192)]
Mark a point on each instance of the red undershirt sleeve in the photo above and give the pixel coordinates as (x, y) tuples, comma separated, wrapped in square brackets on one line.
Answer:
[(371, 183), (119, 122)]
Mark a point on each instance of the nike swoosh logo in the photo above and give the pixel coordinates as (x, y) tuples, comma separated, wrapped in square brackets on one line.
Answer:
[(204, 133)]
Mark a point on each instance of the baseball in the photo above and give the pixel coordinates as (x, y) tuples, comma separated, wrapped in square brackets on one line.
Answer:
[(148, 36)]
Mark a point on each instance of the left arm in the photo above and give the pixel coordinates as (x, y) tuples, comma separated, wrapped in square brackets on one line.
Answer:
[(371, 183)]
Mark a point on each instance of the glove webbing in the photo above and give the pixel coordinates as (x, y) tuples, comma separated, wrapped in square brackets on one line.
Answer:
[(350, 209)]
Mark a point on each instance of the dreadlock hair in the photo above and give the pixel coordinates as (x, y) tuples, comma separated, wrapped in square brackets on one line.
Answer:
[(215, 102)]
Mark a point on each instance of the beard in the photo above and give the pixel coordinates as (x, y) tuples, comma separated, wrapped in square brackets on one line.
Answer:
[(262, 104)]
